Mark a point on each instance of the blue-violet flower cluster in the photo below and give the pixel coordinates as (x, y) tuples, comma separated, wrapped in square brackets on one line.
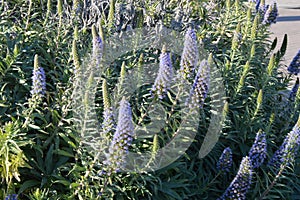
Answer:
[(225, 161), (164, 77), (258, 151), (108, 124), (294, 91), (294, 67), (271, 14), (241, 183), (97, 50), (38, 80), (189, 57), (122, 138), (288, 149), (200, 88)]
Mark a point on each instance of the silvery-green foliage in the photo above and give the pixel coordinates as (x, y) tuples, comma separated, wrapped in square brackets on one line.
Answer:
[(62, 162)]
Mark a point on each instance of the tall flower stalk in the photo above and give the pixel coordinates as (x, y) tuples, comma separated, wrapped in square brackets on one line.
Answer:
[(271, 14), (285, 155), (38, 89), (108, 125), (225, 161), (294, 67), (241, 183), (122, 139), (199, 90), (97, 47), (258, 151), (164, 77), (294, 91), (189, 57)]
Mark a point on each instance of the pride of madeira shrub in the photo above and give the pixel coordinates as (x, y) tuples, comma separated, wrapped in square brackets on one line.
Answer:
[(68, 125)]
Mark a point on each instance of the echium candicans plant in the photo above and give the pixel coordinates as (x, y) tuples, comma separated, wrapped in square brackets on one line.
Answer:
[(258, 151), (189, 57), (241, 182), (108, 124), (122, 139), (294, 67), (199, 90), (286, 153), (225, 161), (38, 89), (271, 14), (165, 75)]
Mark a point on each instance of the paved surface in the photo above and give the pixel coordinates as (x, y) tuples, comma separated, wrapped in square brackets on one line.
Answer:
[(288, 22)]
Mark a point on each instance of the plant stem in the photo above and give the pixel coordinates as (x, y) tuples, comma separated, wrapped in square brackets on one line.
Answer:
[(28, 14), (282, 167)]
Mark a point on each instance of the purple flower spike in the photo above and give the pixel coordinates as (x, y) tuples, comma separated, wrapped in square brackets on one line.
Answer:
[(258, 151), (262, 9), (108, 124), (189, 57), (294, 67), (200, 87), (271, 14), (97, 50), (164, 77), (241, 183), (225, 161), (288, 150), (122, 138), (38, 80), (294, 91)]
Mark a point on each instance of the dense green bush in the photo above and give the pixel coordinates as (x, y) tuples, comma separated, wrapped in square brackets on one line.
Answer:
[(42, 150)]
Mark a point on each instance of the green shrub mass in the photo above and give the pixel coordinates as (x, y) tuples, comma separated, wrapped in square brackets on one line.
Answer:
[(42, 150)]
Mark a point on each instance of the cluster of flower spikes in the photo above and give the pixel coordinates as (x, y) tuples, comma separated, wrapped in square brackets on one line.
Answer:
[(189, 57), (241, 182), (261, 8), (38, 81), (165, 75), (200, 86), (122, 138), (294, 67), (225, 161), (288, 149), (258, 151), (294, 91), (271, 14)]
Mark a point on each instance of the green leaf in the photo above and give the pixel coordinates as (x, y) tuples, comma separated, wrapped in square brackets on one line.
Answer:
[(65, 153), (284, 45), (28, 185), (34, 126), (49, 160), (274, 44)]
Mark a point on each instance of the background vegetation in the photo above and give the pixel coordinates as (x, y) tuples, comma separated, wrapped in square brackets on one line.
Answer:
[(41, 156)]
